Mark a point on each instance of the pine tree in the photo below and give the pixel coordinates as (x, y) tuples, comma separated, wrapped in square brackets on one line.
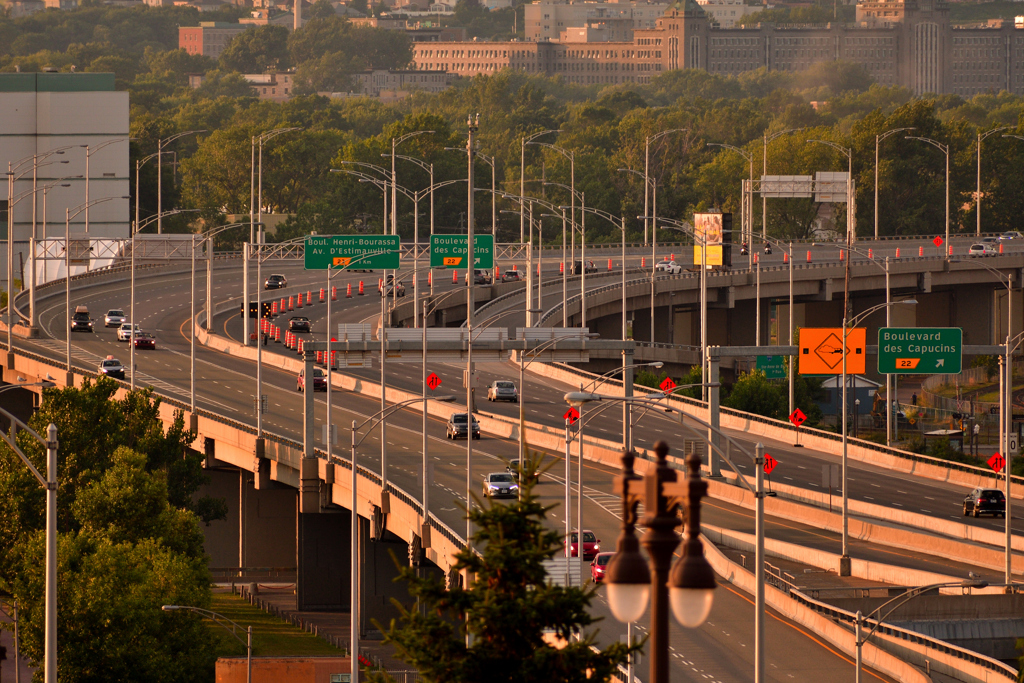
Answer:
[(511, 613)]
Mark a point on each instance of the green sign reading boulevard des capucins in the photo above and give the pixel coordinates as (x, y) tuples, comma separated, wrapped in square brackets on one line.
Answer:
[(452, 251), (919, 350), (360, 252)]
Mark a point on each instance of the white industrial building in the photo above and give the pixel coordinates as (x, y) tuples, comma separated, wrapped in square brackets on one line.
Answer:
[(84, 116)]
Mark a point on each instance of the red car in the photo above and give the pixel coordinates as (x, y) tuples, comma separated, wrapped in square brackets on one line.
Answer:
[(319, 380), (599, 565), (591, 545), (145, 341)]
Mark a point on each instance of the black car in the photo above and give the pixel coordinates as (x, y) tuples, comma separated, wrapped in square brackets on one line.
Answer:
[(578, 267), (299, 323), (982, 501), (457, 427), (275, 282), (482, 277), (81, 322)]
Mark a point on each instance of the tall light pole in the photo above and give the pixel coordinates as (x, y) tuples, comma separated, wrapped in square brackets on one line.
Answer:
[(945, 150), (746, 230), (395, 142), (256, 187), (977, 195), (844, 560), (160, 144), (647, 179), (68, 215), (571, 156), (522, 175), (89, 151), (49, 483), (233, 630), (472, 125), (764, 171), (878, 139)]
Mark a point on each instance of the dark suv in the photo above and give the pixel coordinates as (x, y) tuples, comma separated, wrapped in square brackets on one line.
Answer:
[(81, 322), (457, 427), (983, 501)]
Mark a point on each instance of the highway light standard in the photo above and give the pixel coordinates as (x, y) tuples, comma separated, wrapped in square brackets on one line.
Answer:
[(256, 187), (160, 144), (878, 139), (50, 485), (373, 420), (945, 150), (654, 185), (233, 630), (764, 171), (692, 580), (526, 140), (746, 229), (900, 600), (844, 560), (977, 195)]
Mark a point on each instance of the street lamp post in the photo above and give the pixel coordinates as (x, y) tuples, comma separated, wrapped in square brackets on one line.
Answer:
[(945, 150), (522, 174), (851, 230), (977, 195), (160, 144), (653, 211), (764, 171), (745, 229), (844, 560), (571, 156), (256, 186), (233, 630), (900, 600), (878, 139), (692, 582), (372, 421), (49, 483), (395, 142)]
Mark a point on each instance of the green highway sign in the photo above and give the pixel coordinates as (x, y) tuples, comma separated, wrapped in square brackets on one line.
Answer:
[(360, 252), (773, 367), (920, 350), (452, 251)]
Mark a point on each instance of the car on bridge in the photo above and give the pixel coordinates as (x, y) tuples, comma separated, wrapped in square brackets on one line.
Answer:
[(144, 340), (111, 367), (982, 249), (299, 323), (481, 277), (398, 288), (983, 501), (500, 485), (502, 390), (599, 565), (319, 380), (124, 333), (275, 282), (114, 318), (591, 545), (80, 321), (456, 428), (667, 266), (512, 276), (1011, 235), (578, 268)]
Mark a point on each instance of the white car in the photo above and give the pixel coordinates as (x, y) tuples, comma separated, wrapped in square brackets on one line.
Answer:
[(670, 267), (124, 333), (114, 318), (982, 249)]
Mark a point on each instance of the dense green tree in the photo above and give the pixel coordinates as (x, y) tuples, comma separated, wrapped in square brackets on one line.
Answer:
[(506, 611), (753, 393), (258, 49)]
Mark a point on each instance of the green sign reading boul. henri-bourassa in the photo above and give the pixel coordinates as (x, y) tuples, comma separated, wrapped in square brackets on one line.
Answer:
[(360, 252)]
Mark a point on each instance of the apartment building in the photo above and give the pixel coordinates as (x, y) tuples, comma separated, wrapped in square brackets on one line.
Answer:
[(209, 38)]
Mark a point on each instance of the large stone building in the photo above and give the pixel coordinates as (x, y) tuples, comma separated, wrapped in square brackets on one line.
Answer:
[(547, 19), (209, 38), (910, 43)]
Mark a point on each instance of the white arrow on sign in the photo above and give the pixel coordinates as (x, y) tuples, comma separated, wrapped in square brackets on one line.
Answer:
[(940, 362)]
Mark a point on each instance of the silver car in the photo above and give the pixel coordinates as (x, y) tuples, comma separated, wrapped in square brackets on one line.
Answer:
[(114, 318), (500, 485), (502, 390)]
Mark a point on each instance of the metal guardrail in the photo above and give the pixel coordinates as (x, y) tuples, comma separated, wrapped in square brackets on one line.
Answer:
[(842, 616)]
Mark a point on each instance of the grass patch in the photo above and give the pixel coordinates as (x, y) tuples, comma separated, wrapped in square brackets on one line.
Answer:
[(271, 637)]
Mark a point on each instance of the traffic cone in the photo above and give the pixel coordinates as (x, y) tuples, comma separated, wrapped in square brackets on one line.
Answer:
[(299, 349), (497, 272), (277, 334), (609, 264), (842, 253), (643, 262), (808, 255), (755, 258), (920, 251), (273, 308), (380, 284), (291, 303), (309, 298), (455, 277), (951, 250), (561, 267), (430, 278), (897, 252), (361, 292), (538, 270), (348, 292), (299, 302), (785, 257), (323, 295), (334, 292), (672, 257), (284, 305), (871, 253), (1000, 247), (514, 266)]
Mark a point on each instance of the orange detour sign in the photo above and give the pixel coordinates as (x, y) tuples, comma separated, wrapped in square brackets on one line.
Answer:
[(821, 350)]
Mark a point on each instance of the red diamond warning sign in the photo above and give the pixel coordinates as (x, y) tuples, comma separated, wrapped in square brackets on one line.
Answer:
[(571, 415), (797, 417), (433, 381), (667, 384), (997, 462), (937, 241), (769, 463)]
